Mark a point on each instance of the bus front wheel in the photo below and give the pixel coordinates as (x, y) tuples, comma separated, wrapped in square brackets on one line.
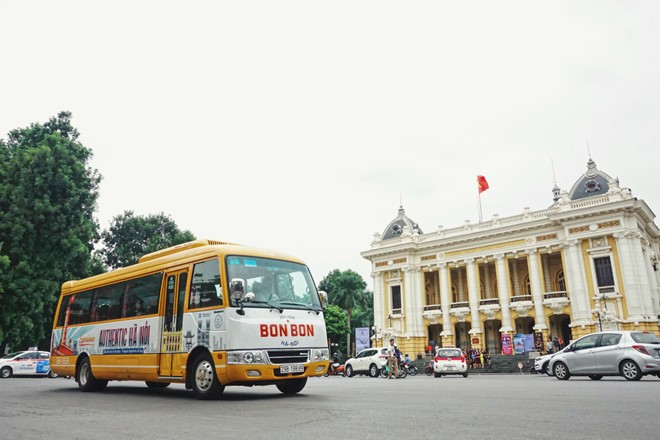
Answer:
[(293, 386), (205, 383), (86, 380)]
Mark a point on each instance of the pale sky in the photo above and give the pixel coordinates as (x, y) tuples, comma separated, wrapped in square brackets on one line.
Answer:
[(299, 126)]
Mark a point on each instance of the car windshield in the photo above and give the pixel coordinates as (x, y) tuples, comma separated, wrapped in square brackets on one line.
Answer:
[(449, 353), (645, 338), (12, 355), (274, 283)]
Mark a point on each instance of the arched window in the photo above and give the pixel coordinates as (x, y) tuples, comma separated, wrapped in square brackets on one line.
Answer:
[(560, 281)]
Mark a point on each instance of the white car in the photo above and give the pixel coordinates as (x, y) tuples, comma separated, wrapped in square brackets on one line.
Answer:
[(542, 363), (369, 361), (26, 363), (449, 361)]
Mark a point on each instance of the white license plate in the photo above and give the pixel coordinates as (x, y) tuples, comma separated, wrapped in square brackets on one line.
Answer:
[(294, 368)]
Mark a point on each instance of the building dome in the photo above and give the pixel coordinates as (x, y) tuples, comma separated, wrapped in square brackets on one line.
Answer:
[(398, 226), (592, 183)]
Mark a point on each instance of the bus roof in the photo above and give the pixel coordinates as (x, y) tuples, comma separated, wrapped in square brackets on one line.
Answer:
[(183, 253)]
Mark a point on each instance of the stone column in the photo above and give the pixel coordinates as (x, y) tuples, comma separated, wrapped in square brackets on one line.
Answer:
[(653, 282), (535, 284), (547, 278), (503, 293), (642, 274), (461, 285), (473, 294), (578, 287), (379, 309), (488, 291), (516, 279), (445, 299), (409, 297), (633, 298)]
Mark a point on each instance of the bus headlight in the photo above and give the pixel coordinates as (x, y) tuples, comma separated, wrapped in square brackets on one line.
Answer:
[(245, 357), (321, 354)]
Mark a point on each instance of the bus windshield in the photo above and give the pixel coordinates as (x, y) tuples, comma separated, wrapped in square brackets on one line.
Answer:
[(274, 283)]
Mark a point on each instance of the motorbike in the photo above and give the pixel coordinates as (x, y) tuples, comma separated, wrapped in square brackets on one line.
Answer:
[(429, 369), (403, 371), (410, 369), (335, 369)]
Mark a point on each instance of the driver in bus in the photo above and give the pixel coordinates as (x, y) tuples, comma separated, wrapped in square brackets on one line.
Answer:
[(265, 291)]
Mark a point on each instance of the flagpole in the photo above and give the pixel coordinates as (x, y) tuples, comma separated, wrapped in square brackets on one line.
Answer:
[(479, 193)]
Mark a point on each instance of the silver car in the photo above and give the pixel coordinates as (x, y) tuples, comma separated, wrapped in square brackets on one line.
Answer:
[(629, 354)]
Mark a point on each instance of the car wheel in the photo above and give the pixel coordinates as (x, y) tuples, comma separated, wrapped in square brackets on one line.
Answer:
[(373, 370), (465, 374), (560, 371), (5, 372), (156, 385), (293, 386), (205, 383), (630, 370), (349, 371), (86, 380), (51, 374), (437, 374), (595, 376)]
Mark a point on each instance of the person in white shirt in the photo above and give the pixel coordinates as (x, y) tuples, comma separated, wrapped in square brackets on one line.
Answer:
[(392, 361)]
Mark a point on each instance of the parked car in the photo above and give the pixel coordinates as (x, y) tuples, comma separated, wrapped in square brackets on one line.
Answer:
[(631, 354), (542, 363), (26, 363), (449, 361), (369, 361)]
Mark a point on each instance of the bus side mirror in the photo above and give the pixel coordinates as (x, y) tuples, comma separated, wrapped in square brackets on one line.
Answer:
[(237, 289), (323, 298)]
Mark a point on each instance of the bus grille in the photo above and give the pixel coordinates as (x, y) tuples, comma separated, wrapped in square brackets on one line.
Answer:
[(288, 356)]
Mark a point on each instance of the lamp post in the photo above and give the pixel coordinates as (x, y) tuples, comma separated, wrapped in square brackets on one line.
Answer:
[(375, 330)]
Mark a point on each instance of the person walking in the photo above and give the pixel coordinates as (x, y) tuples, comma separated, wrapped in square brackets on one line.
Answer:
[(392, 361), (549, 346)]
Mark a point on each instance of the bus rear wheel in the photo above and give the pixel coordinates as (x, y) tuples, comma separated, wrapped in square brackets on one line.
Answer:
[(205, 383), (86, 380), (293, 386)]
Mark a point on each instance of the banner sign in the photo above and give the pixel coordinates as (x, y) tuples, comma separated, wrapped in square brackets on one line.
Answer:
[(361, 338), (507, 344)]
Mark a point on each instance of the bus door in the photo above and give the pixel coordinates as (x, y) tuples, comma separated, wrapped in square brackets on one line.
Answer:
[(171, 340)]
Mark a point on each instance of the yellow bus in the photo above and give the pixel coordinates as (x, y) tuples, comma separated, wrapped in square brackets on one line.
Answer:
[(206, 314)]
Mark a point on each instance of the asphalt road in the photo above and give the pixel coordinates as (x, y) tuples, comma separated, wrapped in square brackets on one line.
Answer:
[(479, 407)]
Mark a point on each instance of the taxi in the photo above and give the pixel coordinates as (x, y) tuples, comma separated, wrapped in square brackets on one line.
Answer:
[(449, 361), (26, 363)]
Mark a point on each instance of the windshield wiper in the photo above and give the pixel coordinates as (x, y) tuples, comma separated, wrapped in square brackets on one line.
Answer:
[(269, 304), (293, 303)]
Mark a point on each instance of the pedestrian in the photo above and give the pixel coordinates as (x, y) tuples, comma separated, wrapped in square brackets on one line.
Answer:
[(549, 346), (392, 362), (483, 360), (561, 343), (555, 342)]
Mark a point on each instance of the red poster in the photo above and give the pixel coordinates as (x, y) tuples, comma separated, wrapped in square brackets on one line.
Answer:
[(507, 344)]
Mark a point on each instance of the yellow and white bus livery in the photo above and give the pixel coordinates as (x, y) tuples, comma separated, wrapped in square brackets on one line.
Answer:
[(206, 314)]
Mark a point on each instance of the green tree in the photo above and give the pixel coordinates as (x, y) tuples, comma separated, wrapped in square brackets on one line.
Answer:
[(131, 236), (347, 290), (48, 195), (336, 325)]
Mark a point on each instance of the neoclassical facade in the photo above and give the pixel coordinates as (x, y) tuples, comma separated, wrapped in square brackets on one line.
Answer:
[(588, 262)]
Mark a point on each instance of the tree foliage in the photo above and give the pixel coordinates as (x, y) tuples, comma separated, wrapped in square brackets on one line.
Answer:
[(336, 325), (131, 236), (48, 195), (347, 290)]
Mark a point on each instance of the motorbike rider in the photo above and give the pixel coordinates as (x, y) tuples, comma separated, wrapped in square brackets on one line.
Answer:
[(335, 361)]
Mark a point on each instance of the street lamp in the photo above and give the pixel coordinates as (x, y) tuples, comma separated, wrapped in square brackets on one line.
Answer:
[(375, 330)]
